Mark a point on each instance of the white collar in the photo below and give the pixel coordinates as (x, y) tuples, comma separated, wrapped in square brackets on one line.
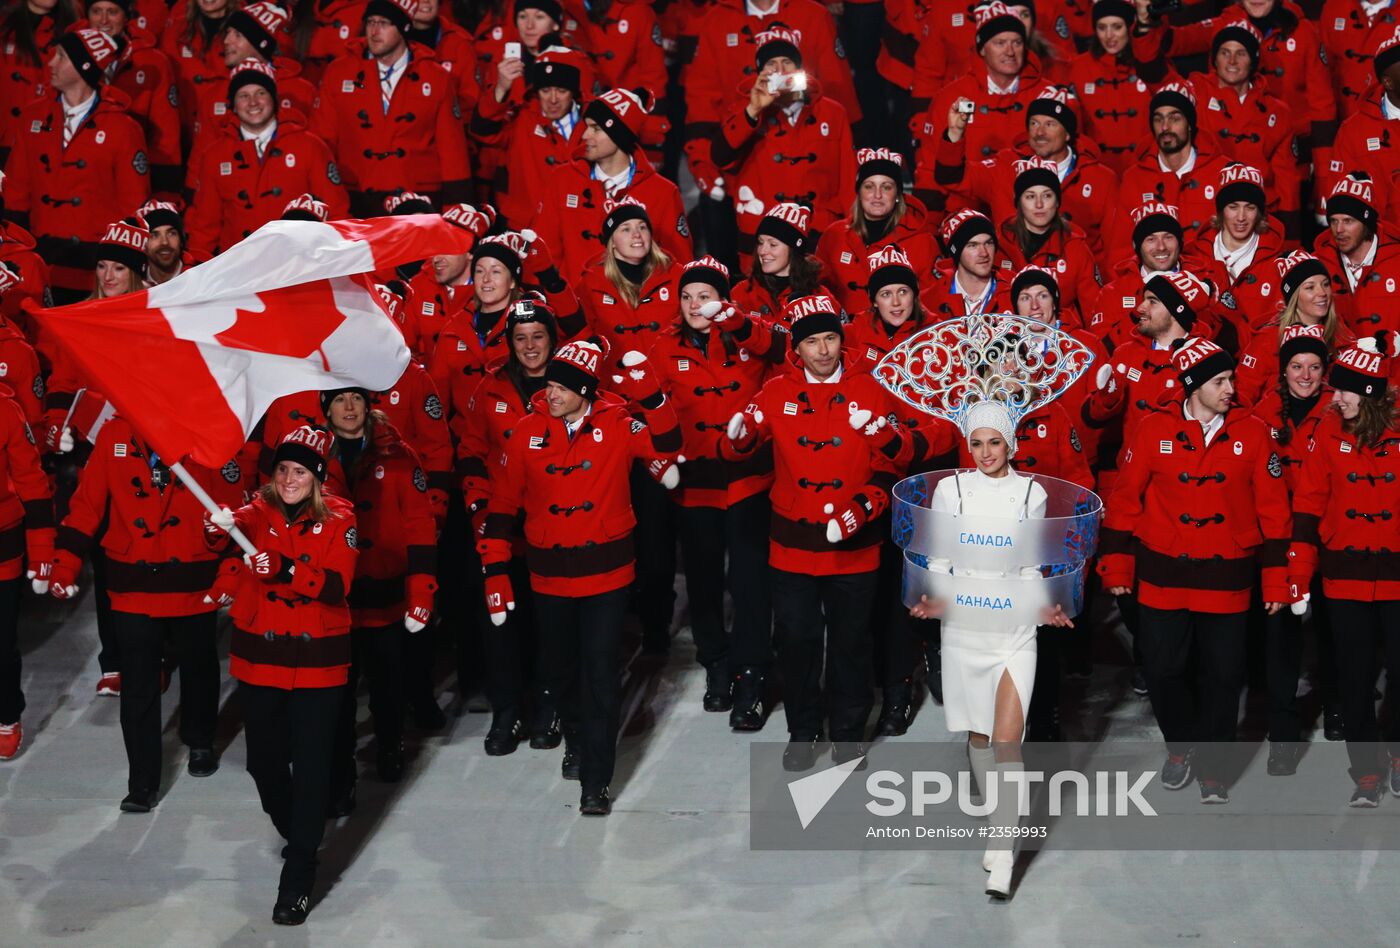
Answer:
[(1236, 261), (261, 138), (794, 110), (1371, 9), (1062, 167), (1185, 169), (573, 426), (994, 89), (1147, 274), (1209, 429), (1391, 112), (81, 108), (835, 377), (395, 68), (752, 9)]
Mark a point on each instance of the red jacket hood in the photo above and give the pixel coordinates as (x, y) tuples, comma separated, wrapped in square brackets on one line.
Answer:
[(14, 238)]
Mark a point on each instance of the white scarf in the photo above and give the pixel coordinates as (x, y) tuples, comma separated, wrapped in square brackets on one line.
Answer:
[(1236, 261)]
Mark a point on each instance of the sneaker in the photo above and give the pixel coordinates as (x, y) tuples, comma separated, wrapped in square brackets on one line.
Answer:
[(595, 802), (547, 731), (568, 765), (1139, 683), (746, 714), (11, 736), (719, 687), (1283, 758), (110, 685), (1395, 776), (504, 736), (1367, 795), (1213, 791), (291, 910), (894, 710), (1176, 772)]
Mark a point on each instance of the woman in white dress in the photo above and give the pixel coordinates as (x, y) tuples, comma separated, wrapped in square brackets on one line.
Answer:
[(987, 676)]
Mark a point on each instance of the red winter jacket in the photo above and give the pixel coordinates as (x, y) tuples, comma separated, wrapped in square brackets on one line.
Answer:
[(1350, 38), (419, 145), (1269, 409), (535, 147), (1086, 193), (460, 358), (293, 632), (196, 65), (575, 496), (236, 192), (1142, 384), (622, 325), (22, 80), (941, 302), (772, 160), (1113, 106), (1344, 511), (1067, 253), (1047, 442), (1253, 299), (420, 421), (394, 530), (707, 382), (1256, 131), (147, 78), (1191, 525), (17, 253), (845, 256), (157, 561), (1257, 374), (821, 464), (484, 427), (68, 196), (624, 43), (431, 307), (338, 24), (214, 119), (20, 373), (26, 497), (1369, 307), (570, 214)]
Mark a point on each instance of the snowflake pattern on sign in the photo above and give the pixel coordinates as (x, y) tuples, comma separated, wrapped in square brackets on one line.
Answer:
[(951, 366)]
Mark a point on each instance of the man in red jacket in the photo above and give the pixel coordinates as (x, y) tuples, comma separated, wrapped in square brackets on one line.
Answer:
[(165, 251), (831, 486), (566, 468), (977, 277), (245, 178), (1200, 506), (1367, 141), (75, 156), (609, 165), (1157, 241), (785, 144), (1181, 171), (1363, 259), (389, 112)]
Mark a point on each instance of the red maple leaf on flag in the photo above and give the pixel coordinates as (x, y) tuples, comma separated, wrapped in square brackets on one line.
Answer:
[(294, 321)]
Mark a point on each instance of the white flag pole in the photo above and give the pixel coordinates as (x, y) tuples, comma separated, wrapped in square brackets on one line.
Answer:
[(202, 495)]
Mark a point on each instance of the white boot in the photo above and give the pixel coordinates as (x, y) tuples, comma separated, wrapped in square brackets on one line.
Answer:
[(1000, 858), (983, 759)]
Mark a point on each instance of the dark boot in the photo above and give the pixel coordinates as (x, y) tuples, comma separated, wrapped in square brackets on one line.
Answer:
[(719, 687), (748, 711), (546, 732), (894, 710), (505, 733)]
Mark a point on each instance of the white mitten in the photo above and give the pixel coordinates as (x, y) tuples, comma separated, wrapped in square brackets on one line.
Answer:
[(65, 441), (737, 430), (717, 191), (223, 519), (1102, 377), (1302, 606)]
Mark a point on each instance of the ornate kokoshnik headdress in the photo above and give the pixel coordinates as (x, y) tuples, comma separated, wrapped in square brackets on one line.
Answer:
[(1016, 362)]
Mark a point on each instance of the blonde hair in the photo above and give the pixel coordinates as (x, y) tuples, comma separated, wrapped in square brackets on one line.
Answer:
[(657, 259), (861, 224), (133, 284), (1289, 317)]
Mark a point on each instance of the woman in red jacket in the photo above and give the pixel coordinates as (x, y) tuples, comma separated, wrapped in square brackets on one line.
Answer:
[(372, 467), (1293, 409), (290, 648), (629, 297), (26, 533), (882, 214), (502, 400), (783, 267), (722, 506), (892, 311), (1305, 289), (158, 575), (1112, 86), (1344, 528), (1038, 234)]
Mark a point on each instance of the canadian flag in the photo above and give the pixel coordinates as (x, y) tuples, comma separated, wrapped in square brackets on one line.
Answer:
[(194, 363)]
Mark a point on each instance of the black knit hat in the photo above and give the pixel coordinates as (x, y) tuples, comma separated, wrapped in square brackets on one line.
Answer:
[(252, 72), (551, 8), (1035, 276), (1054, 103), (90, 51), (958, 229), (509, 248), (1182, 294), (392, 12), (777, 40), (1177, 95), (1033, 172), (1152, 218), (1300, 338), (532, 308), (1119, 8), (618, 213), (787, 222), (575, 366), (162, 214), (706, 270), (1239, 32), (306, 446), (1296, 269), (1198, 361), (258, 22), (996, 17), (329, 395), (889, 266), (1353, 195), (1240, 182), (873, 161)]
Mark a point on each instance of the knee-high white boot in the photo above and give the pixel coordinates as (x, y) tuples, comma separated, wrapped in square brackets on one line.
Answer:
[(983, 759), (1001, 849)]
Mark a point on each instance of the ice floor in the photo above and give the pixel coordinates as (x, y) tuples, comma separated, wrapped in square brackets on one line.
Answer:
[(470, 850)]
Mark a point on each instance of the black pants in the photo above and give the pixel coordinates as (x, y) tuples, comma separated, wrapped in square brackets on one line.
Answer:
[(291, 738), (655, 536), (1283, 662), (582, 636), (1194, 663), (1042, 716), (1357, 629), (860, 27), (824, 621), (11, 666), (141, 644), (707, 533), (377, 654), (897, 635), (509, 649), (109, 653)]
